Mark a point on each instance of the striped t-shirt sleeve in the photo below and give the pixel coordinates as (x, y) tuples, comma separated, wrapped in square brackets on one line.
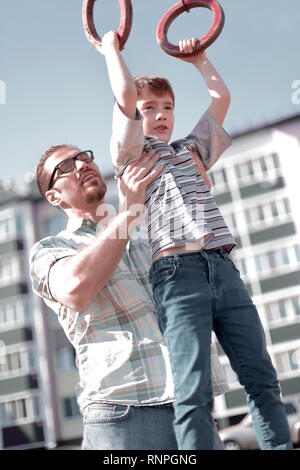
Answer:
[(211, 139), (127, 140)]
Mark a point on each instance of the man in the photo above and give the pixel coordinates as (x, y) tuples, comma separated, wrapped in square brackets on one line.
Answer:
[(94, 275)]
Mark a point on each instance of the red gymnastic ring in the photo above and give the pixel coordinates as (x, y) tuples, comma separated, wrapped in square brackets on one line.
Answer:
[(89, 26), (176, 10)]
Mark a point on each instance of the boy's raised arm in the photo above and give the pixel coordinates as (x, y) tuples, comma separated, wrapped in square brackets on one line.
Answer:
[(121, 80), (218, 90)]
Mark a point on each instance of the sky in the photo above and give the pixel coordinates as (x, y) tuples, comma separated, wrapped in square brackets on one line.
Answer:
[(54, 86)]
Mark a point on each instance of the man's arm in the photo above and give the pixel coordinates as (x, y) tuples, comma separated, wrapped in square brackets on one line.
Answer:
[(218, 90), (74, 281), (121, 80)]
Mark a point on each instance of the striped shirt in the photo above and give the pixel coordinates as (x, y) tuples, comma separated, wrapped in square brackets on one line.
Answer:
[(120, 351), (180, 207)]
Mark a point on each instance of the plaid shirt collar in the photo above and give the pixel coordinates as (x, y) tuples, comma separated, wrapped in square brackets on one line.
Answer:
[(76, 223)]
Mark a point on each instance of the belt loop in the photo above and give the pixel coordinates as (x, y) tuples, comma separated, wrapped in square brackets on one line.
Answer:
[(177, 261), (223, 253)]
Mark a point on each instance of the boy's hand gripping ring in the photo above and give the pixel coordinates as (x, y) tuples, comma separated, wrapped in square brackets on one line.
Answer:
[(176, 10), (89, 26)]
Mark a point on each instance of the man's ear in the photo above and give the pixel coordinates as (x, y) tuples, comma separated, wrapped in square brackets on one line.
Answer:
[(53, 196)]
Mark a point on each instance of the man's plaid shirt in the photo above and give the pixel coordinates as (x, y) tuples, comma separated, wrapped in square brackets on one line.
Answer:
[(120, 351)]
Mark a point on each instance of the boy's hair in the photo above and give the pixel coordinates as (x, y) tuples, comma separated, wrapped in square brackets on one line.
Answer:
[(41, 177), (157, 85)]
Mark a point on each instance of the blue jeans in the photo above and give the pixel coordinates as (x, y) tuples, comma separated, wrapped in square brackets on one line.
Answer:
[(196, 293), (123, 427)]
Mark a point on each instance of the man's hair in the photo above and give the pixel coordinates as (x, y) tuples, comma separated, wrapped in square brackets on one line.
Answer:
[(157, 85), (42, 178)]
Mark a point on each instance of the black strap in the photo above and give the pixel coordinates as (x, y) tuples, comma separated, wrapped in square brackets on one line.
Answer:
[(187, 9)]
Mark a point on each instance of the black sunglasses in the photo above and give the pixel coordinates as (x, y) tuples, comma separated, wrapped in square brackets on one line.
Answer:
[(68, 164)]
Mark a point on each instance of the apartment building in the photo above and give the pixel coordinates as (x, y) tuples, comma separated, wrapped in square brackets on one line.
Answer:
[(256, 185), (24, 405)]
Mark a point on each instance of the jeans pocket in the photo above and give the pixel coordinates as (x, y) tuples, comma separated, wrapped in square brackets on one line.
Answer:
[(105, 413), (162, 275)]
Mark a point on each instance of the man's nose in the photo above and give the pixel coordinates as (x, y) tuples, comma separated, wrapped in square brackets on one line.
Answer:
[(81, 164)]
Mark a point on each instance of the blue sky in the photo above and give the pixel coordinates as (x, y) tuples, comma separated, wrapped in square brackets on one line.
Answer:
[(57, 89)]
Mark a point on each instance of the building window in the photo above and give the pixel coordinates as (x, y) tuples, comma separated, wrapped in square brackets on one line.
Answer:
[(271, 259), (282, 310), (15, 313), (289, 255), (296, 305), (6, 271), (284, 256), (252, 169), (288, 361), (17, 361), (263, 164), (13, 411), (233, 221), (275, 160), (218, 180), (18, 411), (9, 270), (268, 212), (7, 228), (274, 209), (242, 266), (297, 252), (71, 409), (258, 263)]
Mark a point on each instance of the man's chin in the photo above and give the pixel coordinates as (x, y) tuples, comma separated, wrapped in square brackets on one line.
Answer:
[(95, 194)]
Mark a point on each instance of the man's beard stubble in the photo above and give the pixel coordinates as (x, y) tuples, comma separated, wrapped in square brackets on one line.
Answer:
[(95, 194)]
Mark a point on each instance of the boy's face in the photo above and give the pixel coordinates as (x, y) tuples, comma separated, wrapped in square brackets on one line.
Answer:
[(158, 114)]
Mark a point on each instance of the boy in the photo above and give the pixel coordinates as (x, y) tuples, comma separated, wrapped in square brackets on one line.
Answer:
[(195, 284)]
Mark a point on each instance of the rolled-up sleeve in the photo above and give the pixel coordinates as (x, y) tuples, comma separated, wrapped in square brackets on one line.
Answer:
[(127, 139), (211, 139), (42, 257)]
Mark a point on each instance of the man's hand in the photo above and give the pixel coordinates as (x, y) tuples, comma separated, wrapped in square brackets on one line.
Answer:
[(135, 180)]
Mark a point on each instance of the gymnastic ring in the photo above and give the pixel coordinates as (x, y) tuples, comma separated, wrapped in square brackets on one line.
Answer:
[(176, 10), (89, 26)]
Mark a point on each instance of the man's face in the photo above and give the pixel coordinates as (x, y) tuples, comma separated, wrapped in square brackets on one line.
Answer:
[(158, 115), (81, 186)]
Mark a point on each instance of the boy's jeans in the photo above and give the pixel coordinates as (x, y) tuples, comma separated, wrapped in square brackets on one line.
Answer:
[(124, 427), (196, 293)]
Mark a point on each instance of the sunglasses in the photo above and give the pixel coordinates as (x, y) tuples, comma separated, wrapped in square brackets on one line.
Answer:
[(68, 165)]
